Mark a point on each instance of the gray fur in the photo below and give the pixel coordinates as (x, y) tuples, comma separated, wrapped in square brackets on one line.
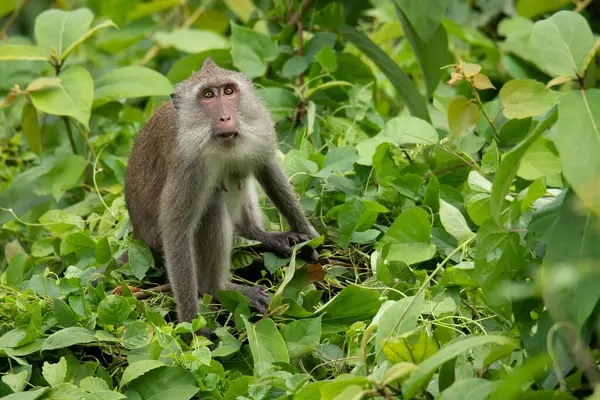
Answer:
[(174, 189)]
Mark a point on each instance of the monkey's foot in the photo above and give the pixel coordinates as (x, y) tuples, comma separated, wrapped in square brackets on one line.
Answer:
[(259, 299), (282, 242)]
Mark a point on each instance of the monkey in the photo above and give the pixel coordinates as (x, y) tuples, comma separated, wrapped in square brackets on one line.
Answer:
[(191, 185)]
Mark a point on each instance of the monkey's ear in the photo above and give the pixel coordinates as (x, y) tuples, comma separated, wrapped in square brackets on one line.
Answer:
[(174, 100), (208, 63)]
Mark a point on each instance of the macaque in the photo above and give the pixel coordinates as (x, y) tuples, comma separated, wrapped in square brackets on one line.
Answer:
[(191, 179)]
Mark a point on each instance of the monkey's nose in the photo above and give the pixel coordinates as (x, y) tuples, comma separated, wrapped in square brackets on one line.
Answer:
[(226, 123)]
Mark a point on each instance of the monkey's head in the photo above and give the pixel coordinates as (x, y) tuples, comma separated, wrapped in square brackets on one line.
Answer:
[(218, 108)]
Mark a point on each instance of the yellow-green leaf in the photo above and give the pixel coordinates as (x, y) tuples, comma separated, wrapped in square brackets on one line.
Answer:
[(462, 115)]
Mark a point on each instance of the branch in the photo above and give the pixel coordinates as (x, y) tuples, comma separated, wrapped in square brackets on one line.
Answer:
[(293, 19)]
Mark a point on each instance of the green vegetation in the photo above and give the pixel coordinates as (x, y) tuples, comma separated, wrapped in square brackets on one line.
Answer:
[(447, 151)]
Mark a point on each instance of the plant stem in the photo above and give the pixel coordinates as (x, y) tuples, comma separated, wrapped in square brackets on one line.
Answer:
[(11, 20), (581, 5), (495, 133), (70, 134)]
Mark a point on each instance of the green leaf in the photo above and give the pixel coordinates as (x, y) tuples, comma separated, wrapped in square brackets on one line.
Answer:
[(73, 97), (7, 7), (29, 395), (406, 89), (86, 36), (302, 336), (59, 222), (62, 177), (227, 345), (69, 337), (294, 66), (137, 369), (103, 251), (413, 348), (533, 8), (471, 388), (137, 334), (266, 344), (409, 237), (561, 43), (23, 52), (140, 258), (510, 165), (541, 161), (31, 128), (168, 382), (524, 98), (454, 222), (578, 143), (150, 8), (185, 66), (424, 16), (57, 29), (462, 115), (251, 50), (413, 385), (130, 82), (113, 310), (431, 50), (327, 59), (352, 304), (55, 374), (572, 254), (398, 131), (490, 159), (192, 40), (16, 381)]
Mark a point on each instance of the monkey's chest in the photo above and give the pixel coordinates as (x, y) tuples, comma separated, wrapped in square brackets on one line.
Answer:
[(234, 195)]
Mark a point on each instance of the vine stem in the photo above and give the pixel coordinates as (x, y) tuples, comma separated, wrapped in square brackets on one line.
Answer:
[(581, 5), (11, 20), (70, 133)]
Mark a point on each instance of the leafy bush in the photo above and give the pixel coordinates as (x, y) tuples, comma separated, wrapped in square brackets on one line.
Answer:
[(446, 150)]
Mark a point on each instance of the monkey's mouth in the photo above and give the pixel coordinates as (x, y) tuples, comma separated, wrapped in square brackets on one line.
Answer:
[(227, 135)]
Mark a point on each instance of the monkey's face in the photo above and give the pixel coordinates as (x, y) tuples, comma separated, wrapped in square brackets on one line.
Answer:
[(220, 104)]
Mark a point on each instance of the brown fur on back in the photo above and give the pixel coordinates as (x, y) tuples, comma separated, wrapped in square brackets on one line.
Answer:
[(147, 172)]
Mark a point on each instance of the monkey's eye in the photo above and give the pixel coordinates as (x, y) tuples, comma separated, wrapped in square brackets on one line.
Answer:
[(228, 90), (208, 94)]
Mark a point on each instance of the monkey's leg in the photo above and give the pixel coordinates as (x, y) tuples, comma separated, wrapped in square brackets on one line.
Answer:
[(213, 243)]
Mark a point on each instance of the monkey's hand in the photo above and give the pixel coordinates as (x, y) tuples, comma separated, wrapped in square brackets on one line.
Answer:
[(282, 242), (259, 299)]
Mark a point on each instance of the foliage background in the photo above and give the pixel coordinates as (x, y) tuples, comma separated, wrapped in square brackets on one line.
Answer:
[(447, 150)]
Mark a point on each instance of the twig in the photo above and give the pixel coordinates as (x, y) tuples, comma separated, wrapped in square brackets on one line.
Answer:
[(495, 133), (70, 134), (581, 5), (293, 19), (152, 291)]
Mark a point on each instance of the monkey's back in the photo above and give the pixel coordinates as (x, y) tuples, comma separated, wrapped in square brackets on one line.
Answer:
[(146, 174)]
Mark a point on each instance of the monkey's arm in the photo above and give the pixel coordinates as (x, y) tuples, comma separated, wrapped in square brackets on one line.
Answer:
[(179, 204), (276, 186)]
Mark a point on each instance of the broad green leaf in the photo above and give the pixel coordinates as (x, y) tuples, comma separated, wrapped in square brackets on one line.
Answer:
[(413, 348), (462, 115), (531, 193), (524, 98), (55, 374), (228, 344), (147, 9), (578, 143), (294, 66), (533, 8), (23, 52), (62, 177), (510, 165), (241, 8), (168, 382), (413, 385), (58, 30), (471, 388), (185, 66), (511, 387), (572, 253), (541, 161), (113, 310), (266, 343), (430, 49), (409, 237), (499, 256), (137, 369), (561, 43), (29, 395), (326, 58), (302, 336), (31, 128), (140, 258), (69, 337), (73, 97), (425, 17), (406, 89), (7, 7), (454, 222), (130, 82), (137, 334), (490, 159), (398, 131), (192, 40), (16, 381), (103, 251), (251, 50), (352, 304), (59, 222)]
